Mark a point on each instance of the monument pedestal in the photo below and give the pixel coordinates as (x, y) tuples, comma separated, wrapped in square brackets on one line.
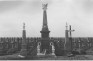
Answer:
[(23, 53), (45, 45)]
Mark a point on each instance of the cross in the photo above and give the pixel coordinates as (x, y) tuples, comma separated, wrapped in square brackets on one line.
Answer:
[(70, 30)]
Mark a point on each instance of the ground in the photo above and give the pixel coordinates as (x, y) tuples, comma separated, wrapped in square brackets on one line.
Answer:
[(47, 57)]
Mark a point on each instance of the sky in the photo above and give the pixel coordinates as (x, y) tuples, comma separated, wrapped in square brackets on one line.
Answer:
[(78, 13)]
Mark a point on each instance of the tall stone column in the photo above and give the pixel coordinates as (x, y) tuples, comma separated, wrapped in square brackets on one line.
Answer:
[(45, 41), (68, 40), (67, 45), (45, 31), (23, 52)]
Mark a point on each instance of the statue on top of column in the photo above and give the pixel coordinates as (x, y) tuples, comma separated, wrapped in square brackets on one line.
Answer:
[(45, 6)]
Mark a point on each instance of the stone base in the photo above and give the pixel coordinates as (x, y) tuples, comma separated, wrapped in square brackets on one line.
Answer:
[(40, 54), (68, 53), (21, 56), (23, 53), (59, 52)]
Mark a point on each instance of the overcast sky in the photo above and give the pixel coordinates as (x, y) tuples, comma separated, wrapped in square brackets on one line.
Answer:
[(78, 13)]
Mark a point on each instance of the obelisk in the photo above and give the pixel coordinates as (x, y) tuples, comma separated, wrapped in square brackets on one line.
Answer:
[(23, 52), (45, 31), (45, 44)]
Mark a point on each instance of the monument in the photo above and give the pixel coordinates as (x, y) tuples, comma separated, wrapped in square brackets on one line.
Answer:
[(45, 46), (68, 40), (23, 52), (70, 36), (45, 31)]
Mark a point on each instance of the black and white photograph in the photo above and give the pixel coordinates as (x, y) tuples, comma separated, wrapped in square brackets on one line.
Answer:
[(46, 29)]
